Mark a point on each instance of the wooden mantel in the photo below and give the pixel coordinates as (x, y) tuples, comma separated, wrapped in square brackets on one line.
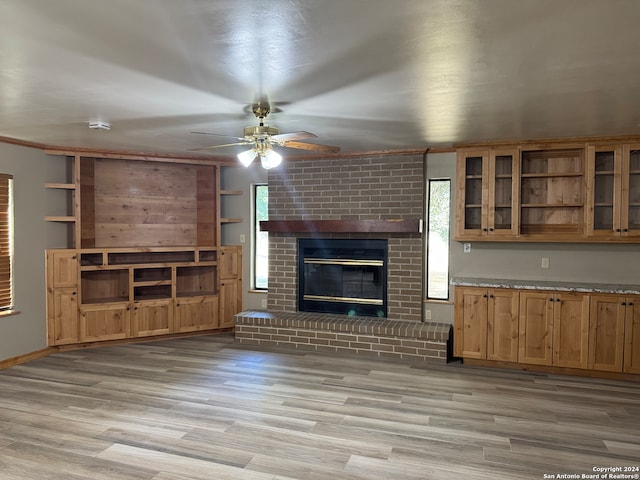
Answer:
[(342, 226)]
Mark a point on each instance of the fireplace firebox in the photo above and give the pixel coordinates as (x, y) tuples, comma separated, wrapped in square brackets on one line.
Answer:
[(345, 276)]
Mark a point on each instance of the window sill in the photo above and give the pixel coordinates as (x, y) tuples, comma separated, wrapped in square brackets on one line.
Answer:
[(253, 290), (9, 313)]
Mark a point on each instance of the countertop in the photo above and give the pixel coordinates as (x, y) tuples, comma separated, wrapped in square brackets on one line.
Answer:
[(546, 285)]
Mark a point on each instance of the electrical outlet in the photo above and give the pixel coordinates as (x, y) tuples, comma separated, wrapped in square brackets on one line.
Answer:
[(427, 314), (545, 262), (242, 238), (264, 303)]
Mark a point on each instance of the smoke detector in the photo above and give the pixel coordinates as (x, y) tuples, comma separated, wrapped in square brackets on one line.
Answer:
[(98, 125)]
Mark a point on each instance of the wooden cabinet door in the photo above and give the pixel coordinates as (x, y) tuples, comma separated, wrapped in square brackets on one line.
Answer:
[(502, 325), (229, 262), (630, 210), (470, 323), (571, 330), (152, 317), (632, 336), (230, 302), (472, 193), (536, 328), (196, 313), (503, 196), (62, 268), (62, 316), (603, 182), (105, 322), (606, 332)]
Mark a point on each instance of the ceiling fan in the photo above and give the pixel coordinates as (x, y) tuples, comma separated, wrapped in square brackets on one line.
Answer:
[(263, 138)]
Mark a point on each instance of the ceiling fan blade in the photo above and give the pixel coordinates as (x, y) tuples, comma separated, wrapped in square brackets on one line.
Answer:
[(285, 137), (218, 135), (311, 146), (219, 146)]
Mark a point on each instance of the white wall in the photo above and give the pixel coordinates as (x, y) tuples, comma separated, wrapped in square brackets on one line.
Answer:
[(26, 332), (241, 178)]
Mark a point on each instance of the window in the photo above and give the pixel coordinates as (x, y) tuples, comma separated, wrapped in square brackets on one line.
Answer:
[(6, 242), (261, 239), (438, 240)]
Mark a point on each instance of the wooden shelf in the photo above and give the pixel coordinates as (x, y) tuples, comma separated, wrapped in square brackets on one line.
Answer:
[(230, 192), (63, 186), (230, 220), (341, 226), (60, 218)]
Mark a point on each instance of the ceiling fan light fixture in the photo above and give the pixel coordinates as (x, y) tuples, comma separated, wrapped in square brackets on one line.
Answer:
[(270, 159), (247, 157)]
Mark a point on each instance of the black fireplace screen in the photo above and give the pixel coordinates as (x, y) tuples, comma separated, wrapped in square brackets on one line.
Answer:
[(343, 276)]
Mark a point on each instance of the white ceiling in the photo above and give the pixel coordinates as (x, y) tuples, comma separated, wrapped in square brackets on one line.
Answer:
[(363, 75)]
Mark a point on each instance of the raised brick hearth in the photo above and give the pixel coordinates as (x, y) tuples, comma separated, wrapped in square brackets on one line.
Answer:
[(340, 334)]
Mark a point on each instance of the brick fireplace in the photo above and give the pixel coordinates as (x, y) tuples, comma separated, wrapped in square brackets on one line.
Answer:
[(371, 197), (353, 189)]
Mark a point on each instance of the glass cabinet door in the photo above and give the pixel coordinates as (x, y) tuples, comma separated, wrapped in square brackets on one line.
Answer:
[(630, 223), (472, 172), (503, 194), (604, 191)]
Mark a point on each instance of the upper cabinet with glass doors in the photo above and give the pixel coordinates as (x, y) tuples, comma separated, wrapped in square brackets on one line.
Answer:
[(613, 187), (487, 196)]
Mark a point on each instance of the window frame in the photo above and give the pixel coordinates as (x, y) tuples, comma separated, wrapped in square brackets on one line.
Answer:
[(256, 237), (430, 239), (7, 298)]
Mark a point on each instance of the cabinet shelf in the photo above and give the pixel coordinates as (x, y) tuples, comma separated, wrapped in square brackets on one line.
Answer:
[(199, 293), (230, 192), (61, 186), (60, 218), (96, 300), (552, 205), (230, 220), (151, 283), (552, 175)]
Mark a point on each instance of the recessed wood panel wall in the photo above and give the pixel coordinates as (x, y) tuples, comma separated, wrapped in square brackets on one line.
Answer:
[(139, 203)]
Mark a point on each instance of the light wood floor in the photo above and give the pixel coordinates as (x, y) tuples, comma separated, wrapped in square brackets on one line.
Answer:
[(204, 408)]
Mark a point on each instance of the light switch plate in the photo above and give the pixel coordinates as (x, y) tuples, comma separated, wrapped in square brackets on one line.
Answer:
[(466, 247)]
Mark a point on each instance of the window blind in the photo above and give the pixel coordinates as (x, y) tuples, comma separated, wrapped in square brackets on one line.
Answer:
[(6, 227)]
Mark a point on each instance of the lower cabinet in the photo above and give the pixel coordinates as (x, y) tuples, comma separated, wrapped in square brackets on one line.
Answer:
[(486, 324), (105, 322), (62, 313), (95, 295), (632, 336), (554, 329), (230, 301), (606, 332), (589, 331), (152, 317), (196, 313)]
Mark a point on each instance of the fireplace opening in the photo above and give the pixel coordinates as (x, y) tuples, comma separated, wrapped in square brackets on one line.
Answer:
[(345, 276)]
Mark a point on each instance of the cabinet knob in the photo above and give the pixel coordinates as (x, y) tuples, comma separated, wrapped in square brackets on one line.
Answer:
[(491, 229), (631, 304), (484, 296), (491, 296), (624, 303), (625, 230), (551, 299), (618, 230), (74, 293)]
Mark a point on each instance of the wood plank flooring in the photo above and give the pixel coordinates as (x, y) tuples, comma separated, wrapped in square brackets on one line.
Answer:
[(206, 408)]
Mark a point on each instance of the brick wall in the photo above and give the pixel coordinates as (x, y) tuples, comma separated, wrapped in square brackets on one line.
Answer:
[(363, 188)]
